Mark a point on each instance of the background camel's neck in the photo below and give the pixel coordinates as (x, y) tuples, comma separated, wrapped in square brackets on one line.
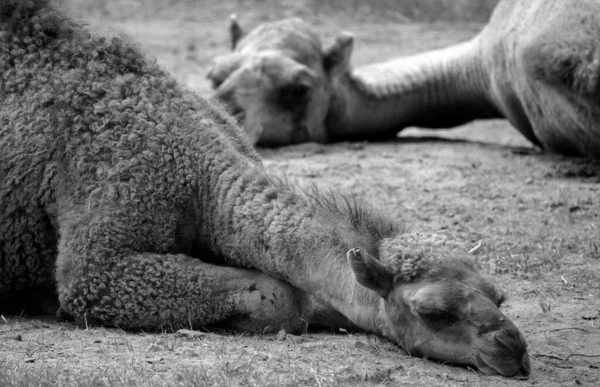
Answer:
[(254, 221), (436, 89)]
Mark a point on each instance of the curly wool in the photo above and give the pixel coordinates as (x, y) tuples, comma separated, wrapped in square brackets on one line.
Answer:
[(94, 118), (412, 256), (117, 184)]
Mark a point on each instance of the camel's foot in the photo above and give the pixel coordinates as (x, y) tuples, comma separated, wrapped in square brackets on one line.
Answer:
[(267, 305)]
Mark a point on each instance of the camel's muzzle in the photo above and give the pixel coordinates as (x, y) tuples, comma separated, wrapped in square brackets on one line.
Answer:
[(504, 352)]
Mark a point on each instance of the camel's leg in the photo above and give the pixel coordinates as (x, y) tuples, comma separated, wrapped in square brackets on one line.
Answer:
[(27, 254), (325, 317), (102, 280), (152, 291)]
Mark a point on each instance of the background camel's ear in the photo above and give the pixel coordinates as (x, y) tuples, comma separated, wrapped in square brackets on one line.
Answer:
[(222, 67), (235, 31), (369, 272), (336, 58)]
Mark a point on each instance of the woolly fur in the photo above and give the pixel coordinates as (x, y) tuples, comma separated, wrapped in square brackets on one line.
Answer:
[(97, 165), (116, 182)]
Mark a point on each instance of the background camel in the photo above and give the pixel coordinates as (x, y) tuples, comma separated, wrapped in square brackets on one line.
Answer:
[(123, 189), (535, 63)]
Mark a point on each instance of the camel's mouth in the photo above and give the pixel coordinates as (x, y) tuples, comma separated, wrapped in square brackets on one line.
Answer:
[(505, 366)]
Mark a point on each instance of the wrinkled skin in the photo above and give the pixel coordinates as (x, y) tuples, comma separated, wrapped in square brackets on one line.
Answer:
[(535, 63)]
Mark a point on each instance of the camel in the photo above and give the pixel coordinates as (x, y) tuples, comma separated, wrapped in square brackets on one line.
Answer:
[(141, 205), (535, 63)]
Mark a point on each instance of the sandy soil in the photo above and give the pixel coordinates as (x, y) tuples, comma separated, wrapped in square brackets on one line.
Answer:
[(534, 215)]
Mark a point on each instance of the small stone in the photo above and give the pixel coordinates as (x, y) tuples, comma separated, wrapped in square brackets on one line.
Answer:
[(190, 333), (281, 335)]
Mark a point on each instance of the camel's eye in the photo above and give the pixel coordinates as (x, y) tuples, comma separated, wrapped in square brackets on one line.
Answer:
[(441, 318)]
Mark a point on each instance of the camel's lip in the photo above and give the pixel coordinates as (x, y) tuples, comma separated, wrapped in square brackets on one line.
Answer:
[(520, 369)]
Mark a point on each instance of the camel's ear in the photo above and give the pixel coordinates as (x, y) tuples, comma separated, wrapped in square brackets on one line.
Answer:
[(369, 272), (336, 58), (235, 31)]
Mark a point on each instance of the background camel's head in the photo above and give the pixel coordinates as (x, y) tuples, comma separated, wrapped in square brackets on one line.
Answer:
[(437, 305), (277, 80)]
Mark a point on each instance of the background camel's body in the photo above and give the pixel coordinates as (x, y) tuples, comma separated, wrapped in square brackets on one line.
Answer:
[(535, 63), (131, 182)]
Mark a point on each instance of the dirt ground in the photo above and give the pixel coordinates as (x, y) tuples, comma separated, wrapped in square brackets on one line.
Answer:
[(535, 217)]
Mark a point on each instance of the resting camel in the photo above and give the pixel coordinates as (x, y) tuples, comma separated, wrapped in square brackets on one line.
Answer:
[(144, 205), (535, 63)]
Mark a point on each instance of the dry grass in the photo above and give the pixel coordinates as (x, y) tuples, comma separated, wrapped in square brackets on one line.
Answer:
[(50, 354)]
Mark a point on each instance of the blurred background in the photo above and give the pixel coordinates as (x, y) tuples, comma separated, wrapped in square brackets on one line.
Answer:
[(185, 35), (403, 10)]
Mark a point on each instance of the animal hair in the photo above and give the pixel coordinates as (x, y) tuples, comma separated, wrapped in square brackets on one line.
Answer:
[(574, 65), (366, 225), (88, 120), (107, 165), (413, 255)]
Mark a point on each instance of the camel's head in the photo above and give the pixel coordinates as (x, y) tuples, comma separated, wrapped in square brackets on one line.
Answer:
[(277, 80), (437, 305)]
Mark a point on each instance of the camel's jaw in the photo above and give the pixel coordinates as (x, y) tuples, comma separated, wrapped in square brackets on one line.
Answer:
[(508, 368), (504, 361), (500, 360)]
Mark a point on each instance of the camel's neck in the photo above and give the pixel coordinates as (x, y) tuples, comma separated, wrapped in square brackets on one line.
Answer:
[(253, 221), (441, 88)]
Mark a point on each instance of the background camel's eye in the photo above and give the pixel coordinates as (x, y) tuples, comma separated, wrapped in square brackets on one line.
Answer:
[(291, 95), (500, 300), (216, 82)]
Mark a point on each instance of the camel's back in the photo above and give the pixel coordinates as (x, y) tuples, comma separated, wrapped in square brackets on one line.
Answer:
[(520, 22)]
